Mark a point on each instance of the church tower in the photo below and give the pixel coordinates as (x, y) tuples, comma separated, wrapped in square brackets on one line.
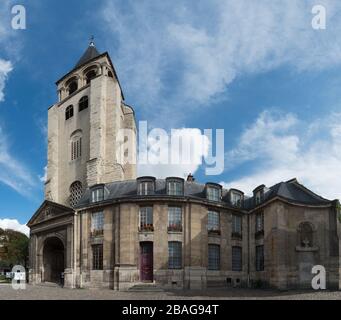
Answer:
[(83, 127)]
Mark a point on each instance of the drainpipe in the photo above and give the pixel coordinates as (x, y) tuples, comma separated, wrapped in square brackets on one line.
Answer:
[(248, 250), (80, 250)]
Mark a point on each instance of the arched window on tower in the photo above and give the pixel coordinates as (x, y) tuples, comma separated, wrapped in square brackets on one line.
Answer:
[(69, 112), (73, 87), (83, 103), (90, 75), (110, 75), (76, 191), (76, 145), (305, 230)]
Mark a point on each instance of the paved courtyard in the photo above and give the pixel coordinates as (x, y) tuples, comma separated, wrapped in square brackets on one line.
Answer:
[(57, 293)]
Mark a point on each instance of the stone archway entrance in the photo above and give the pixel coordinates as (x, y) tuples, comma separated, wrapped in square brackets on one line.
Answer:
[(54, 260)]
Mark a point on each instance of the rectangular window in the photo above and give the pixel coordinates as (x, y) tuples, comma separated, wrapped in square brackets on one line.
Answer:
[(213, 257), (174, 219), (259, 258), (236, 225), (213, 221), (146, 188), (97, 223), (175, 188), (76, 149), (97, 257), (236, 259), (146, 219), (97, 194), (259, 222), (174, 255), (213, 194)]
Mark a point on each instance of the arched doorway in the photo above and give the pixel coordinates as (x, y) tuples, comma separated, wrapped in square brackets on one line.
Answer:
[(53, 257)]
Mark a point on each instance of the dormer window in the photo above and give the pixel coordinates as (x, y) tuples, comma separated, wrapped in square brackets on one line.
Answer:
[(175, 186), (258, 197), (83, 103), (69, 112), (258, 194), (146, 186), (213, 192), (236, 198), (97, 194)]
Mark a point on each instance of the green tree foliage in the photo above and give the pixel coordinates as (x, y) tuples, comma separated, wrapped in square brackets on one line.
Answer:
[(14, 248)]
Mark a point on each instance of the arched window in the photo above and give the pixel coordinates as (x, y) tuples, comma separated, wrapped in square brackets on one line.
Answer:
[(90, 75), (69, 112), (110, 75), (83, 103), (76, 192), (305, 234), (76, 145), (73, 86)]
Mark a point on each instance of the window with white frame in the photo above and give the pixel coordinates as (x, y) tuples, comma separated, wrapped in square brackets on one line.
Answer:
[(97, 223), (213, 194), (259, 197), (213, 221), (174, 218), (175, 188), (236, 224), (236, 258), (213, 257), (97, 194), (146, 219), (146, 188), (236, 199), (174, 255)]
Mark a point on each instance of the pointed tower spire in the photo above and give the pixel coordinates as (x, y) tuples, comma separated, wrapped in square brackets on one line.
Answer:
[(89, 54), (92, 41)]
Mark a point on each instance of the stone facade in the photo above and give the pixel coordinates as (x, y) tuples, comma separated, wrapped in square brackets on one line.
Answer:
[(103, 238), (97, 126)]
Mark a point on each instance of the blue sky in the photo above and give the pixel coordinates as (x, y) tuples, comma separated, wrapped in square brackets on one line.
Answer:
[(258, 70)]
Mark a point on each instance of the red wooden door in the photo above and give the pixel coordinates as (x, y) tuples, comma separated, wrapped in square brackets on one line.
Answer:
[(146, 261)]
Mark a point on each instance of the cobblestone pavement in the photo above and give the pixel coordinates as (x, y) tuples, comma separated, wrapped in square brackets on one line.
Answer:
[(57, 293)]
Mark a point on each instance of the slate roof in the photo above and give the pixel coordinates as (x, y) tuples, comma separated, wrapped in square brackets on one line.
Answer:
[(88, 55), (290, 191)]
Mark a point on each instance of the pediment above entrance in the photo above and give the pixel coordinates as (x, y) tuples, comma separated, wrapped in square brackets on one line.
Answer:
[(49, 210)]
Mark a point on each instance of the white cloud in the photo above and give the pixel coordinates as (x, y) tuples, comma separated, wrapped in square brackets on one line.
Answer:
[(14, 224), (280, 147), (5, 34), (43, 178), (5, 69), (13, 173), (209, 44), (167, 158)]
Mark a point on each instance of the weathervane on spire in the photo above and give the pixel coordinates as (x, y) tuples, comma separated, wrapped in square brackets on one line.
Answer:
[(92, 43)]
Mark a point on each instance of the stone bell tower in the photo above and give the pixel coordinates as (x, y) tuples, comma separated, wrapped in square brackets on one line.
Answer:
[(83, 127)]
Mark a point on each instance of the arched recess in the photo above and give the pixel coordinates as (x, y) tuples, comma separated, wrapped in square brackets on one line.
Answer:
[(53, 260)]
